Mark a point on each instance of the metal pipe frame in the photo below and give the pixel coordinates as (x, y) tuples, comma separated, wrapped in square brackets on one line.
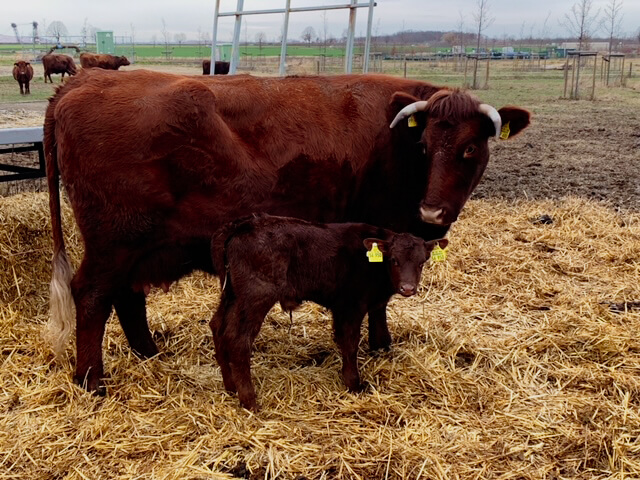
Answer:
[(239, 13)]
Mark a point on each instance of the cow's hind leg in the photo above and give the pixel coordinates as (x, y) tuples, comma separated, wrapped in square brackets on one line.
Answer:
[(379, 336), (132, 313), (92, 292)]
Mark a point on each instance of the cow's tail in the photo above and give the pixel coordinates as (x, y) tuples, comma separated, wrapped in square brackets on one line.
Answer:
[(61, 303)]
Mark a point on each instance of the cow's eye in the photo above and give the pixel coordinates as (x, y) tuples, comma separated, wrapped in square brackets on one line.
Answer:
[(394, 262), (469, 151)]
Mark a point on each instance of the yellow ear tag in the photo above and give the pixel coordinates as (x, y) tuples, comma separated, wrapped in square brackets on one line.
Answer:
[(505, 131), (375, 255), (412, 121), (438, 254)]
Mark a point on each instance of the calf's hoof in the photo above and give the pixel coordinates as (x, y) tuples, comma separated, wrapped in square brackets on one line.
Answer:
[(250, 404)]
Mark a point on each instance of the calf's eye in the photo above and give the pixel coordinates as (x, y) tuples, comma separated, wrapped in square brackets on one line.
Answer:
[(394, 262), (469, 151)]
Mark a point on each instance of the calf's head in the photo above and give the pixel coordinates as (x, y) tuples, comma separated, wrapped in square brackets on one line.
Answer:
[(405, 255), (452, 129), (123, 61)]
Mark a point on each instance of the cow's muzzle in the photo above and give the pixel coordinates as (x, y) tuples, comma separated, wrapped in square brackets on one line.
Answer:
[(437, 215), (407, 289)]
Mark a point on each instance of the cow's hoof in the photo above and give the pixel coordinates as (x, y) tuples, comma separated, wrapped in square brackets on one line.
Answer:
[(92, 385)]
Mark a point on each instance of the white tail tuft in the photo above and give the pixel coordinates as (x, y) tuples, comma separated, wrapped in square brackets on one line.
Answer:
[(61, 304)]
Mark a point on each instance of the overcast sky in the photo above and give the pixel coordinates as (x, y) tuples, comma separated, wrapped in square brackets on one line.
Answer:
[(190, 16)]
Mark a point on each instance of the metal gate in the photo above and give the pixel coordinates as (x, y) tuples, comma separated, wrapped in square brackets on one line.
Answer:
[(235, 50)]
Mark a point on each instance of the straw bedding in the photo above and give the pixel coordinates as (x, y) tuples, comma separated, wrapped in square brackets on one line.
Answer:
[(518, 359)]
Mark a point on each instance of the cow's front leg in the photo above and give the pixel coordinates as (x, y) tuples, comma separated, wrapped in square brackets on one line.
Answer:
[(132, 313), (379, 336)]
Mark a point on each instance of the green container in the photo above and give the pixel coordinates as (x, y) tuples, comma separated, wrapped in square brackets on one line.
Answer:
[(104, 43)]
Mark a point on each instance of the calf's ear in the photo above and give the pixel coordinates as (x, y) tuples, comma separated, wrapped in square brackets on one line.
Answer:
[(517, 118), (368, 244)]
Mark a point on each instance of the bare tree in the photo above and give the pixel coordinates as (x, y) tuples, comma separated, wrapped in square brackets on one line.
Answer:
[(482, 17), (154, 39), (167, 38), (133, 43), (57, 29), (261, 39), (543, 34), (325, 31), (308, 34), (580, 22), (612, 20), (460, 28), (180, 38), (85, 31)]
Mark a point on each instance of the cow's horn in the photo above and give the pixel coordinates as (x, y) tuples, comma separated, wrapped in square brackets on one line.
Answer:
[(409, 110), (493, 114)]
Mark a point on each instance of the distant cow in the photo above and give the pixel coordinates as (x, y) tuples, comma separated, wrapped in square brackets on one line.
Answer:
[(103, 60), (57, 63), (222, 68), (23, 73), (264, 259)]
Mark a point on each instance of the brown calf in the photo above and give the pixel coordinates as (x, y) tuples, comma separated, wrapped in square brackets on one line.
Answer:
[(23, 73), (266, 259), (57, 64)]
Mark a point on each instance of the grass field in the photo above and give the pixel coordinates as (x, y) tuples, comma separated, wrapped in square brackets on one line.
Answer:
[(519, 359)]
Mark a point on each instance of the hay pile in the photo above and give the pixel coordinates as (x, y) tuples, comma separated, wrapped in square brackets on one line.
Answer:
[(510, 364)]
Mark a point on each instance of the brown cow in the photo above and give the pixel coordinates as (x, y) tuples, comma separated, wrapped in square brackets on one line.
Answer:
[(102, 60), (23, 73), (57, 63), (263, 260), (177, 157), (222, 68)]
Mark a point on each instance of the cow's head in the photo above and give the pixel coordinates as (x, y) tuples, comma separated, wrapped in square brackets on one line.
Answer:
[(453, 128), (22, 67), (123, 61), (405, 256)]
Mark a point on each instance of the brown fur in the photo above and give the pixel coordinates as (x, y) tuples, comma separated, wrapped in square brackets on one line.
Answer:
[(102, 60), (57, 63), (23, 74), (161, 161), (264, 259)]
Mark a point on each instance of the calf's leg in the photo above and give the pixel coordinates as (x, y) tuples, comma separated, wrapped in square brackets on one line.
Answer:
[(242, 325), (132, 313), (379, 336), (217, 324), (346, 324)]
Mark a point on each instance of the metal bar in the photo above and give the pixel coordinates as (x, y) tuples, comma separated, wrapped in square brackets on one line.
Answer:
[(235, 48), (214, 37), (294, 9), (30, 148), (19, 169), (367, 44), (21, 176), (283, 48), (348, 64), (21, 135)]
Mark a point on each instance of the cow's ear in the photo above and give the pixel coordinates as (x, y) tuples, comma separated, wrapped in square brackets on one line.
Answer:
[(414, 124), (381, 244), (517, 118), (16, 64), (441, 242)]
